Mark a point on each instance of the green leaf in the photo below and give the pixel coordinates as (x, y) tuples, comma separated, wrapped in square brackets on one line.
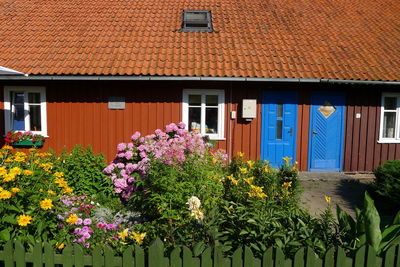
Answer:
[(390, 236), (9, 219), (372, 222), (5, 235), (346, 222), (198, 248), (396, 219)]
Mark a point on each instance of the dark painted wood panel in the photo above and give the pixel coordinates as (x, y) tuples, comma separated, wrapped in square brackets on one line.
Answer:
[(363, 153)]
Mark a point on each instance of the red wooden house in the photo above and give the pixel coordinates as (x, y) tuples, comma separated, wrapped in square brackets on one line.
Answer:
[(315, 80)]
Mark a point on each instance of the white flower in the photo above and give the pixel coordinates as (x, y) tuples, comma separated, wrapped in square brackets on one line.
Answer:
[(194, 203), (198, 215)]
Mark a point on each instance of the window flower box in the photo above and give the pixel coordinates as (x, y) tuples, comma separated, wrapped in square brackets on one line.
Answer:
[(27, 143), (24, 139)]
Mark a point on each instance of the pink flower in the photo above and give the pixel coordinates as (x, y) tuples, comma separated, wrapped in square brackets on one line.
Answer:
[(121, 147), (87, 221), (78, 221), (181, 125), (135, 136)]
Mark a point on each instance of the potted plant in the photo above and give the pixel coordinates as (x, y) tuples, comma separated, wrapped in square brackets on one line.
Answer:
[(24, 139)]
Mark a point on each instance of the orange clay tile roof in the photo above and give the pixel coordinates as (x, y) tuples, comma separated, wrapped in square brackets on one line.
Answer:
[(323, 39)]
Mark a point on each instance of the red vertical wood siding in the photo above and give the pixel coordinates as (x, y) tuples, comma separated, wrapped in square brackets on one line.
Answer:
[(362, 151), (77, 113)]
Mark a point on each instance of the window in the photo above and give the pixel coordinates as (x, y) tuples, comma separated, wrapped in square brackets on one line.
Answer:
[(203, 112), (25, 109), (196, 20), (390, 116)]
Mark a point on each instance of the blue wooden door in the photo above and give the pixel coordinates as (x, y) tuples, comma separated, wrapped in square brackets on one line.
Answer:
[(326, 131), (278, 132)]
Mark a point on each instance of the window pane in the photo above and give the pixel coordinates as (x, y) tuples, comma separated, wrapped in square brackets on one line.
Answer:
[(389, 122), (279, 129), (34, 98), (211, 120), (194, 100), (194, 119), (279, 110), (212, 100), (18, 118), (18, 98), (196, 16), (390, 103), (34, 113)]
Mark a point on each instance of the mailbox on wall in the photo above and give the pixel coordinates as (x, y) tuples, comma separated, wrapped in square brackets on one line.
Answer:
[(249, 109)]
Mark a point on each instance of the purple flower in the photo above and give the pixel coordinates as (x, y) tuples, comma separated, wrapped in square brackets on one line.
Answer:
[(78, 221), (86, 245), (87, 221), (111, 226)]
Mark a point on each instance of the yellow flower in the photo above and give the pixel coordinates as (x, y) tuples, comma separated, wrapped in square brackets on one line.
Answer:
[(234, 181), (31, 150), (28, 172), (249, 180), (214, 160), (122, 235), (138, 237), (266, 168), (243, 170), (19, 159), (240, 154), (250, 163), (287, 160), (60, 246), (51, 193), (24, 220), (7, 147), (16, 171), (72, 218), (9, 159), (286, 185), (46, 204), (9, 177), (4, 194), (327, 199), (68, 190), (15, 189), (58, 174), (3, 171), (256, 191)]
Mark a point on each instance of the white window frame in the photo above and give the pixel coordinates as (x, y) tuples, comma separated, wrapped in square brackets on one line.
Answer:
[(8, 107), (221, 110), (396, 139)]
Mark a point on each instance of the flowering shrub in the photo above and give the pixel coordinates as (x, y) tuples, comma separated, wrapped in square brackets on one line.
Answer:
[(28, 195), (250, 181), (37, 203), (157, 174), (133, 160), (83, 222), (13, 136)]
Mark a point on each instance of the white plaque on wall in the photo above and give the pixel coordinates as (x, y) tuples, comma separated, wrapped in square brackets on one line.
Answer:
[(116, 102)]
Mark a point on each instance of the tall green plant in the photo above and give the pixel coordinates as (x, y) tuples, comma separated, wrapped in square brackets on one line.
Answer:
[(366, 229), (84, 169)]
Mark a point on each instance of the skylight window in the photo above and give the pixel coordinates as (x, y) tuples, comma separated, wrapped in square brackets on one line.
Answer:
[(196, 21)]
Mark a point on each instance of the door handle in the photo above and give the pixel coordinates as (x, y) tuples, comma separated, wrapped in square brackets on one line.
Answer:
[(314, 132)]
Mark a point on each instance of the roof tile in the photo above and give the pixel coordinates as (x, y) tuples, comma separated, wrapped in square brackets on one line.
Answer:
[(329, 39)]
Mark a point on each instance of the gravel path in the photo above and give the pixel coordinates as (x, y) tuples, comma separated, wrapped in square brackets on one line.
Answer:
[(345, 190)]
